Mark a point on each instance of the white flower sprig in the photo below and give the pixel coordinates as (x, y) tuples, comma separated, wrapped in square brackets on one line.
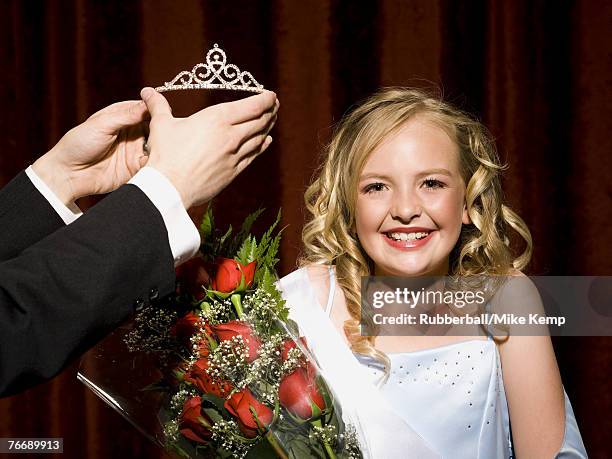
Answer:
[(229, 361)]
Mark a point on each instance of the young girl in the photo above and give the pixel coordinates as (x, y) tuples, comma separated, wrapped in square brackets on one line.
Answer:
[(411, 187)]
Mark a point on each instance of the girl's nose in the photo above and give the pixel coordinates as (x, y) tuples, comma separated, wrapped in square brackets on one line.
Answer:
[(405, 207)]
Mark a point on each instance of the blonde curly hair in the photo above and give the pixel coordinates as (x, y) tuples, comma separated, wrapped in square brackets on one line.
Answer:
[(329, 235)]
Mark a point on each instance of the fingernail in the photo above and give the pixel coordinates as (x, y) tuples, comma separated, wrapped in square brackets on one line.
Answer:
[(146, 92)]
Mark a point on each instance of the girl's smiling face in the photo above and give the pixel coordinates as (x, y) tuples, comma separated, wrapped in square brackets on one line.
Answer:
[(411, 201)]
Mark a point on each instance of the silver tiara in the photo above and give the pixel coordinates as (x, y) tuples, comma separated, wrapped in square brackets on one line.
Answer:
[(215, 74)]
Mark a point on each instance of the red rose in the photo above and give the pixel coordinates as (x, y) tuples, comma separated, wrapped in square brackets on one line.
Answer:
[(192, 275), (199, 377), (239, 405), (298, 390), (229, 275), (237, 328), (185, 327), (290, 344), (194, 424)]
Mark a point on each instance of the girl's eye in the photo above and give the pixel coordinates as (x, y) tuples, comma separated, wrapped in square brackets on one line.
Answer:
[(374, 188), (433, 183)]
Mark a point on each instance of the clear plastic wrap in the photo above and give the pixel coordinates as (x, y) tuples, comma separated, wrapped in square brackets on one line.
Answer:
[(219, 369)]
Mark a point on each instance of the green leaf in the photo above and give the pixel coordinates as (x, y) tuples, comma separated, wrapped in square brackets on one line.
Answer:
[(157, 386), (262, 450), (208, 223), (215, 401), (267, 237), (299, 448), (212, 294), (222, 243), (247, 252), (180, 451), (316, 411), (245, 230), (213, 414), (268, 284)]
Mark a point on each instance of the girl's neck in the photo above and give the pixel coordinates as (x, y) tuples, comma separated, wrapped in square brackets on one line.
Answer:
[(436, 272)]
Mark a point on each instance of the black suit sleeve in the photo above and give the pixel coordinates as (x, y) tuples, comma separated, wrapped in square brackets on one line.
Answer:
[(25, 217), (64, 293)]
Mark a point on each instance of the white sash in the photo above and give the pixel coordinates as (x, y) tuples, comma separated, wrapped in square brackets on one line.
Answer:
[(383, 434)]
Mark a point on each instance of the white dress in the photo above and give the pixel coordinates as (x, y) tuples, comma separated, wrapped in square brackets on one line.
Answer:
[(452, 396)]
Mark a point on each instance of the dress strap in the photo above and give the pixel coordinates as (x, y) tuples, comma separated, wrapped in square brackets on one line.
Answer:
[(332, 290), (487, 310)]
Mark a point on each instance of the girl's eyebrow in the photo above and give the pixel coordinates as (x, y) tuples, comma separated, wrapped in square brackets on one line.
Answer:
[(440, 171), (373, 175)]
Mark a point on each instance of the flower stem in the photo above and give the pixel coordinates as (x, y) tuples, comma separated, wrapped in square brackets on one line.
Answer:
[(328, 448), (237, 302), (277, 448)]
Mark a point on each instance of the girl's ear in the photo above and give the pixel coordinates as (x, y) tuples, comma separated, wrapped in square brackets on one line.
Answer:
[(465, 218)]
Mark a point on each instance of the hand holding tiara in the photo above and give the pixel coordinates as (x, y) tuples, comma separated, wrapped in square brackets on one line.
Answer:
[(216, 73), (201, 154)]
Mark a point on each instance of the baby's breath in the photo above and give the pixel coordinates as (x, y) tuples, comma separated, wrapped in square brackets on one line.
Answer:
[(151, 332), (223, 434), (295, 359), (261, 309), (217, 311), (171, 431), (325, 434), (229, 360), (265, 372), (350, 443)]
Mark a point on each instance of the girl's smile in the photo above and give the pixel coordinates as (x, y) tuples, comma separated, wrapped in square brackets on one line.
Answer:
[(408, 238), (410, 201)]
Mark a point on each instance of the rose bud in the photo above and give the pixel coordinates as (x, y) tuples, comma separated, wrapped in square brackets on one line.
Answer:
[(239, 405), (199, 377), (192, 275), (230, 273), (194, 424), (233, 328), (298, 391)]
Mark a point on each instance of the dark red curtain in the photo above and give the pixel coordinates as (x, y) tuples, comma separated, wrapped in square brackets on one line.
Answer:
[(537, 73)]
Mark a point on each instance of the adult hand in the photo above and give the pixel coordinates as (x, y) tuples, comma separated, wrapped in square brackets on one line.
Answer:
[(203, 153), (98, 155)]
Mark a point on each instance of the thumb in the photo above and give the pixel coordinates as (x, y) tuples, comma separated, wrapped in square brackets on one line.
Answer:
[(156, 103), (120, 115)]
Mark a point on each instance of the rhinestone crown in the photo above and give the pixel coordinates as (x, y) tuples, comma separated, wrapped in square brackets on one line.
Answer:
[(215, 74)]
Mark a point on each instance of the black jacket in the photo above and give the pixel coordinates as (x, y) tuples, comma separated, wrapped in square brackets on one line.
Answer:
[(63, 287)]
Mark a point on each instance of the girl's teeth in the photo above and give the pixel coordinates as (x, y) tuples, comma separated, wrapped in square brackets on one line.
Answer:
[(408, 236)]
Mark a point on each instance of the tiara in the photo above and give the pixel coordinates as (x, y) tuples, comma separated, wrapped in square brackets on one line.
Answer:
[(215, 74)]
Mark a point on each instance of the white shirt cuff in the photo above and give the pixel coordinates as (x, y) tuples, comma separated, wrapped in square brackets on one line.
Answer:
[(68, 213), (183, 236)]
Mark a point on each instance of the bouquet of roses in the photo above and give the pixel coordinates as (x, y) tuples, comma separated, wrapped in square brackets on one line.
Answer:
[(237, 379)]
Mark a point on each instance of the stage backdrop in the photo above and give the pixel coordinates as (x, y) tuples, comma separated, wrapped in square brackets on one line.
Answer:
[(537, 73)]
